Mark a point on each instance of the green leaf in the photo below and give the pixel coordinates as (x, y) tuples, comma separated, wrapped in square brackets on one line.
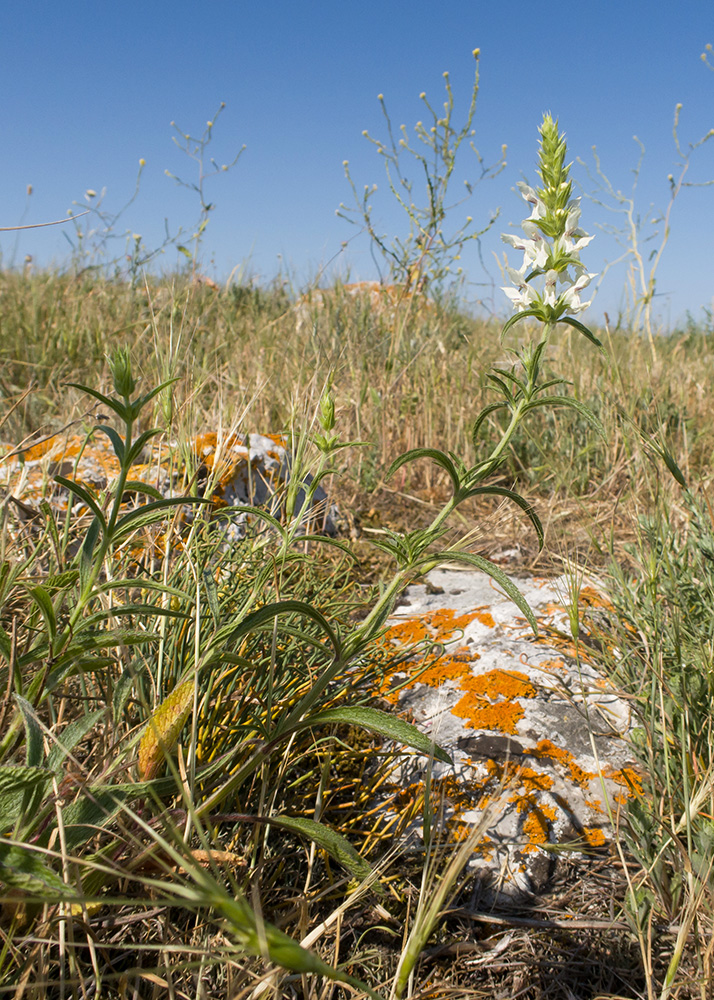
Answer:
[(573, 404), (71, 735), (471, 559), (138, 446), (134, 486), (34, 751), (434, 454), (661, 449), (376, 722), (97, 805), (257, 512), (517, 318), (329, 840), (483, 415), (23, 868), (577, 325), (61, 581), (122, 690), (148, 396), (5, 645), (259, 938), (86, 552), (150, 513), (525, 506), (212, 594), (85, 496), (265, 616), (132, 609), (115, 439), (144, 583), (44, 602), (15, 782), (113, 404)]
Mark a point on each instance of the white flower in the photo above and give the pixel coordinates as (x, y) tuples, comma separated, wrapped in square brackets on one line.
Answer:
[(535, 248), (523, 296), (529, 195), (571, 297), (549, 296)]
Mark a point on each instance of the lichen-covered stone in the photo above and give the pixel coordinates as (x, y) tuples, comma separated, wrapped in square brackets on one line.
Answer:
[(234, 470), (535, 732)]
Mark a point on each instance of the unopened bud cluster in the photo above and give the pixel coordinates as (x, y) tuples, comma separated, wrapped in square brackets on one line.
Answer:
[(553, 240)]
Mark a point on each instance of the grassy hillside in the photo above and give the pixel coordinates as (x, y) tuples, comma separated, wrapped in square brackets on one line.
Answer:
[(189, 657)]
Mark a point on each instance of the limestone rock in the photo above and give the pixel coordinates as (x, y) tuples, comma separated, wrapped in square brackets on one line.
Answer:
[(536, 734), (234, 470)]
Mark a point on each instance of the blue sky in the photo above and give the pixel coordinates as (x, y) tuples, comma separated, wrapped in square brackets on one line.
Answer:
[(90, 88)]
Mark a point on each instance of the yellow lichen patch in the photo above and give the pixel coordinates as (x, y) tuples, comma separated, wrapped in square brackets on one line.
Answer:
[(592, 598), (503, 716), (506, 684), (594, 836), (536, 829), (626, 777), (408, 633), (545, 749)]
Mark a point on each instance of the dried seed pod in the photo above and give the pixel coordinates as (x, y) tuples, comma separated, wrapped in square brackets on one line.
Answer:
[(163, 729)]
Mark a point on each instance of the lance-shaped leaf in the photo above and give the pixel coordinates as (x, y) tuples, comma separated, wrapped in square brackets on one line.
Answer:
[(471, 559), (334, 843), (484, 415), (113, 404), (16, 783), (570, 403), (434, 454), (525, 506), (265, 941), (34, 751), (577, 325), (150, 513), (518, 317), (71, 735), (23, 868), (264, 617), (85, 496), (114, 437), (376, 722), (44, 602)]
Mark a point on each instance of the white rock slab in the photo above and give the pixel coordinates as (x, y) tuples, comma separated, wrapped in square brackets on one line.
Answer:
[(536, 734)]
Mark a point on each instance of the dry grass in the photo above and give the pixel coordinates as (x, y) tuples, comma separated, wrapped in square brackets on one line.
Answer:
[(166, 927)]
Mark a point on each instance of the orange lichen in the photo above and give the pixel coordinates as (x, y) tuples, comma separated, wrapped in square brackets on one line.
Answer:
[(444, 668), (536, 830), (627, 777), (529, 780), (594, 599), (485, 617), (547, 750), (409, 632), (552, 666), (503, 717), (506, 684), (594, 836)]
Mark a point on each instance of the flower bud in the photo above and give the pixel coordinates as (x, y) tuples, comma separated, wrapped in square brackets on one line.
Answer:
[(120, 366), (327, 411)]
